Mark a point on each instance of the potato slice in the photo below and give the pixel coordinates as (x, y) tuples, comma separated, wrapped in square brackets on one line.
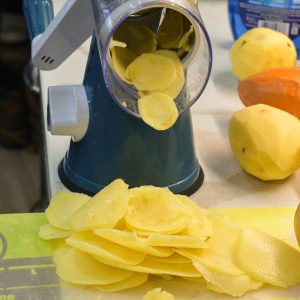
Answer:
[(94, 245), (151, 72), (60, 252), (220, 256), (176, 241), (158, 294), (171, 30), (77, 267), (138, 38), (121, 59), (175, 88), (184, 41), (151, 266), (62, 205), (175, 258), (104, 210), (135, 280), (153, 209), (49, 232), (132, 241), (158, 110), (235, 286), (268, 259)]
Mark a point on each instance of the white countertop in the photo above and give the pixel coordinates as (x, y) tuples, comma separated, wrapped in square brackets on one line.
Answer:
[(225, 185)]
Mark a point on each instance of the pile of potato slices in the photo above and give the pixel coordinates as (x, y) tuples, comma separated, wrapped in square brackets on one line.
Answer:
[(120, 237)]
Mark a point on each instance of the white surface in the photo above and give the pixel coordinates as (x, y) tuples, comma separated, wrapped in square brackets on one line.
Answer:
[(225, 185)]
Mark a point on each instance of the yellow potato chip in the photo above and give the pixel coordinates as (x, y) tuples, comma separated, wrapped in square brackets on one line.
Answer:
[(49, 232), (235, 286), (153, 209), (151, 266), (158, 110), (171, 30), (121, 59), (151, 72), (158, 294), (132, 241), (104, 210), (220, 256), (268, 259), (138, 38), (94, 245), (135, 280), (62, 205), (176, 241), (77, 267), (175, 88)]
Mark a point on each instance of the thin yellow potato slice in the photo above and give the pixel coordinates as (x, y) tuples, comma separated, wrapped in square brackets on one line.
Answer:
[(200, 226), (121, 59), (104, 210), (158, 110), (94, 245), (132, 241), (113, 43), (49, 232), (235, 286), (135, 280), (151, 72), (138, 38), (158, 294), (268, 259), (175, 258), (176, 241), (171, 30), (60, 252), (220, 256), (62, 205), (184, 42), (175, 88), (77, 267), (153, 267), (153, 209)]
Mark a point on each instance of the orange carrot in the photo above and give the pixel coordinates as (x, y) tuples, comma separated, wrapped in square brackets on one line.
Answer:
[(275, 87)]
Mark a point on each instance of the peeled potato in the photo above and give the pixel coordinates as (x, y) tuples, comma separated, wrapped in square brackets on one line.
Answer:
[(158, 294), (151, 72), (158, 110), (132, 241), (49, 232), (171, 30), (104, 210), (153, 209), (235, 286), (175, 88), (121, 59), (94, 245), (138, 38), (176, 241), (265, 141), (135, 280), (254, 52), (62, 205), (77, 267), (268, 259)]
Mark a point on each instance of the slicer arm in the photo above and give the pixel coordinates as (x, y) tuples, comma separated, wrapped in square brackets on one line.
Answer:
[(72, 26)]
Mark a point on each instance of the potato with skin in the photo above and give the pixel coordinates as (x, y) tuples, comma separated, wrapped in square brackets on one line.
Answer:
[(260, 49), (265, 141)]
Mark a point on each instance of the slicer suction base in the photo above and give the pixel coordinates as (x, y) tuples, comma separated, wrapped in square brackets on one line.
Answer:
[(68, 183)]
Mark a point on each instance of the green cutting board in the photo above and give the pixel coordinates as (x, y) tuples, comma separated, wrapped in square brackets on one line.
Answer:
[(27, 270)]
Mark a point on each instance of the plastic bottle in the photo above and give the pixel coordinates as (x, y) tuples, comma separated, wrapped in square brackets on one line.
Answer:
[(280, 15)]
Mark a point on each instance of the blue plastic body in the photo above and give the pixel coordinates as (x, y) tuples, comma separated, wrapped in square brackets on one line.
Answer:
[(283, 16), (119, 145)]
